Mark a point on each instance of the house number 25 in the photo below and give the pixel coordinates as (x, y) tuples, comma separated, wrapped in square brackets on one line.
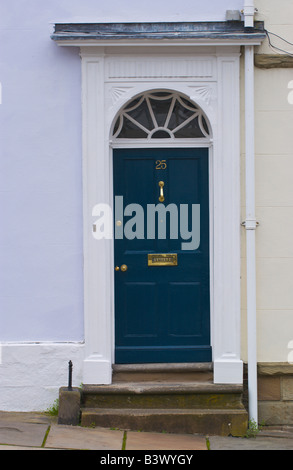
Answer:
[(161, 164)]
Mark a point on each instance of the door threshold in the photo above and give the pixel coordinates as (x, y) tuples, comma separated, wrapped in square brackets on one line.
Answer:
[(164, 367), (163, 373)]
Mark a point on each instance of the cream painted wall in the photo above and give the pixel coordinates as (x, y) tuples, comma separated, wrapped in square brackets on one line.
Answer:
[(274, 194)]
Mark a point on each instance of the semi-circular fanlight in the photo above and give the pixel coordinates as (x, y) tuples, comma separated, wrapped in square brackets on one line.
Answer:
[(161, 115)]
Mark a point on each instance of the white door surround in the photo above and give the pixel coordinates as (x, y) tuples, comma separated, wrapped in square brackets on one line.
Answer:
[(208, 76)]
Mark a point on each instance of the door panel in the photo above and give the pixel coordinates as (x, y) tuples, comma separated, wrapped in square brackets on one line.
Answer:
[(188, 323), (162, 314), (139, 297)]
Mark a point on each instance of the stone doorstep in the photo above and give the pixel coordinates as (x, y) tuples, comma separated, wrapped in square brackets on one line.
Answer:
[(188, 421), (187, 372), (165, 389), (189, 408), (154, 404), (185, 368), (164, 367), (162, 377), (162, 396)]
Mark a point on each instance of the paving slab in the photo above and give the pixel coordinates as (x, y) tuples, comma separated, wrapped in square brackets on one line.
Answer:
[(22, 434), (258, 443), (22, 417), (70, 437), (160, 441), (27, 431), (14, 448), (277, 431)]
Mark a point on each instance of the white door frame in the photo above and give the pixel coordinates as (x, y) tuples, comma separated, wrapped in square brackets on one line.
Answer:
[(210, 77)]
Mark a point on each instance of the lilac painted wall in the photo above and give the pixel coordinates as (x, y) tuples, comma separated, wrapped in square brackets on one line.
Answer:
[(41, 278), (41, 260)]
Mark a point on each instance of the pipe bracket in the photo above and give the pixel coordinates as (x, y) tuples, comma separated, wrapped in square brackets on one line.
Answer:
[(250, 224)]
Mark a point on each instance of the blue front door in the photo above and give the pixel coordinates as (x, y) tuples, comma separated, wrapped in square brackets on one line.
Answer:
[(162, 266)]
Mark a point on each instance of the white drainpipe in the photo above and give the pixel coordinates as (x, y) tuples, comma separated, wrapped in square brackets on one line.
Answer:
[(250, 223), (249, 12)]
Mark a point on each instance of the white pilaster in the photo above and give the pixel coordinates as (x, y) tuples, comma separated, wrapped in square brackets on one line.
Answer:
[(228, 368), (97, 304)]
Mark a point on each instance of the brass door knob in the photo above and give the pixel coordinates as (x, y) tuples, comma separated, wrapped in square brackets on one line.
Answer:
[(117, 268), (124, 268)]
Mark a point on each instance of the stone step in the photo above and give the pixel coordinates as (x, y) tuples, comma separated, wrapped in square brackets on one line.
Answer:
[(154, 395), (176, 398), (217, 422), (197, 372)]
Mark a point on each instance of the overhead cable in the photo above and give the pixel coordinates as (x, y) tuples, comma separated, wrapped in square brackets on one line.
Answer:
[(278, 49)]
